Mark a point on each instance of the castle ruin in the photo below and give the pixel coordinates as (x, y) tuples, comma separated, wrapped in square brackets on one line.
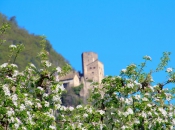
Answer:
[(92, 71), (92, 68)]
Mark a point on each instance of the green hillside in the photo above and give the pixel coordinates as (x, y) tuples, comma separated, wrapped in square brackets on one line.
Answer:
[(16, 35)]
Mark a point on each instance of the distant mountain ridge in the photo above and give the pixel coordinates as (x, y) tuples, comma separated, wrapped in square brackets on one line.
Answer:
[(16, 35)]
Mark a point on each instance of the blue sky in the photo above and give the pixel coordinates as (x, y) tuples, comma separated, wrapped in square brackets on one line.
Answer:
[(121, 32)]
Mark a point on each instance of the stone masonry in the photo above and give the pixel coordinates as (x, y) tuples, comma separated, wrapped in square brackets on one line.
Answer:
[(93, 69)]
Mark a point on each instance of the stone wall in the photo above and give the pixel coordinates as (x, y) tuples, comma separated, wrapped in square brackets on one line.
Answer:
[(92, 68), (87, 58)]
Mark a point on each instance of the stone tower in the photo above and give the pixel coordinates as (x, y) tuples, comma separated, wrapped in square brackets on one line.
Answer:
[(93, 69)]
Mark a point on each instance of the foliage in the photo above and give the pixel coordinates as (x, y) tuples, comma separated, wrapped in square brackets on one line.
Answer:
[(71, 97), (77, 89), (89, 80), (17, 35), (128, 101), (31, 99)]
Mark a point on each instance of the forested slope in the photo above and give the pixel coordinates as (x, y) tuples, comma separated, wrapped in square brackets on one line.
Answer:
[(17, 35)]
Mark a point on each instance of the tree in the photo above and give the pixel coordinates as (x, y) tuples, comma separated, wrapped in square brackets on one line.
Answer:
[(129, 101), (13, 20), (31, 99)]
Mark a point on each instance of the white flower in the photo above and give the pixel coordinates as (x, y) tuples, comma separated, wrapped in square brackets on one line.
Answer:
[(58, 69), (40, 88), (173, 122), (45, 95), (125, 114), (171, 107), (122, 99), (130, 111), (149, 113), (129, 101), (152, 80), (123, 70), (170, 114), (101, 112), (10, 78), (14, 65), (24, 128), (22, 107), (4, 65), (12, 46), (119, 113), (52, 127), (133, 65), (124, 127), (136, 121), (61, 87), (57, 106), (11, 120), (32, 65), (18, 120), (138, 84), (6, 89), (171, 127), (79, 125), (26, 94), (56, 98), (137, 97), (10, 112), (143, 114), (169, 70), (50, 115), (149, 105), (63, 108), (146, 94), (85, 115), (152, 88), (79, 106), (16, 126), (144, 99), (38, 105), (28, 113), (156, 113), (71, 108), (119, 77), (156, 99), (14, 97), (164, 113), (130, 85), (168, 96), (28, 103), (57, 88), (90, 110), (101, 126), (46, 104), (15, 73), (48, 64), (159, 120), (147, 57)]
